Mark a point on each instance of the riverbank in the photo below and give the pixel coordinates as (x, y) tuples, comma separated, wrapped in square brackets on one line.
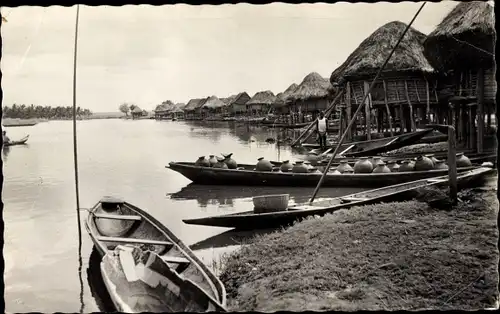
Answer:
[(396, 256)]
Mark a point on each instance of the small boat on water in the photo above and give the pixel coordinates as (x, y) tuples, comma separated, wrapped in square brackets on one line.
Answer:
[(19, 142), (145, 267), (246, 175), (251, 220)]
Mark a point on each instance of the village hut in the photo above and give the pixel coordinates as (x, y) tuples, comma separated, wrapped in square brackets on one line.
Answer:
[(177, 112), (407, 84), (192, 110), (312, 95), (162, 111), (462, 47), (237, 104), (137, 112), (213, 106), (261, 103), (281, 103)]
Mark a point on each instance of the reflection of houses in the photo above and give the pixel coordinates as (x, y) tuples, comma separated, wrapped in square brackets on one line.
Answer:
[(261, 103), (311, 95), (213, 106), (281, 103), (236, 104), (462, 48), (192, 110), (405, 87)]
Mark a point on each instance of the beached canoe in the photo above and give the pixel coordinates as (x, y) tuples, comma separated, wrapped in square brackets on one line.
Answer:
[(250, 220), (20, 142), (245, 175), (191, 284)]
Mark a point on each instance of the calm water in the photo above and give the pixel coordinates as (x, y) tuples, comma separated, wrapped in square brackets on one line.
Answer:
[(121, 158)]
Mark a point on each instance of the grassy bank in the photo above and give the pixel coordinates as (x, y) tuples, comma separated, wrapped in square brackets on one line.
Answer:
[(396, 256)]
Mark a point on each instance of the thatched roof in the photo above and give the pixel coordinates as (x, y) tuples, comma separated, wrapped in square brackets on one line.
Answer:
[(213, 102), (165, 106), (313, 86), (234, 98), (177, 108), (262, 98), (194, 104), (367, 59), (137, 110), (469, 23), (282, 97)]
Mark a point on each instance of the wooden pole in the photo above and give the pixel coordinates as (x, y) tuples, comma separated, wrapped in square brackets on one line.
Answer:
[(480, 110), (367, 106), (452, 164), (387, 108), (412, 117), (427, 92), (333, 104), (348, 108), (402, 120), (362, 105)]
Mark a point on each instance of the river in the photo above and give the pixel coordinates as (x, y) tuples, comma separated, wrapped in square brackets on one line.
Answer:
[(122, 158)]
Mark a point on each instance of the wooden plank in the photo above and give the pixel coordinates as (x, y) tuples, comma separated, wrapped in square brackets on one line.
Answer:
[(452, 164), (387, 108), (353, 199), (480, 111), (368, 118), (175, 259), (412, 118), (348, 109), (118, 217), (392, 141), (132, 240)]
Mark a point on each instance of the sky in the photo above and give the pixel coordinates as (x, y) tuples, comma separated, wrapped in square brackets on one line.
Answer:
[(146, 54)]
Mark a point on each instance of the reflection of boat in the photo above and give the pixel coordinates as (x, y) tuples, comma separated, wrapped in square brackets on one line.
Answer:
[(96, 284), (250, 220), (229, 238), (20, 142), (206, 193), (245, 175), (113, 222)]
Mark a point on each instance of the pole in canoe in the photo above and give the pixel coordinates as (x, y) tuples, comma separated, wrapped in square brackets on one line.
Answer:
[(362, 106), (452, 164)]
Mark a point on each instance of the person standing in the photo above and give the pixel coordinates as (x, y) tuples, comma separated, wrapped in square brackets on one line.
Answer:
[(322, 128), (6, 139)]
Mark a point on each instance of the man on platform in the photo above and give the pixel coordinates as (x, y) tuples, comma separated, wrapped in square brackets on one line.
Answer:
[(322, 128)]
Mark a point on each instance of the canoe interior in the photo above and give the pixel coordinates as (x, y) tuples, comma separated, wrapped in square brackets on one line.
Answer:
[(251, 220), (160, 288), (110, 225)]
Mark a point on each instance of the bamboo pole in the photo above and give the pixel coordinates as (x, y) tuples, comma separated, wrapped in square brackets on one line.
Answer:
[(412, 117), (362, 105), (348, 108), (333, 104), (387, 108), (402, 120), (367, 105), (428, 113), (480, 110), (452, 164)]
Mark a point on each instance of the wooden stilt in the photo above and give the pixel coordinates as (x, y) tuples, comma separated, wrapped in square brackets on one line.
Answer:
[(368, 112), (348, 109), (472, 127), (402, 122), (480, 110), (412, 117), (389, 118), (428, 101), (452, 164)]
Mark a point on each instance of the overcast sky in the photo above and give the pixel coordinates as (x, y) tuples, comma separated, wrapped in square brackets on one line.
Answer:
[(147, 54)]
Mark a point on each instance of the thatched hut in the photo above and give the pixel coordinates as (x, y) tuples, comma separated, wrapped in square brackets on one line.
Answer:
[(406, 85), (213, 106), (192, 110), (281, 103), (237, 104), (261, 103), (162, 111), (312, 95), (462, 47), (137, 112), (177, 111)]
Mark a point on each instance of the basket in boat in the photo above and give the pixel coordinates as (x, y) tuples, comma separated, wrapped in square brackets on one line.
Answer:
[(270, 203)]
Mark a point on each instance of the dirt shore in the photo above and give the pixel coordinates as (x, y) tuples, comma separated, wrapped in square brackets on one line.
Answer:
[(394, 256)]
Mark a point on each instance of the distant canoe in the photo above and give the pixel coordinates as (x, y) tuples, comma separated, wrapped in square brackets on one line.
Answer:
[(12, 125), (249, 220), (246, 176), (191, 285), (20, 142)]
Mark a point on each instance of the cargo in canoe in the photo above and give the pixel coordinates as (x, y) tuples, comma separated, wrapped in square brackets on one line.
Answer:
[(19, 142), (245, 175), (251, 220), (113, 222)]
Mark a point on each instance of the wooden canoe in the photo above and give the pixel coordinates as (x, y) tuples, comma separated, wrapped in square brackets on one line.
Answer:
[(20, 142), (192, 285), (245, 175), (250, 220)]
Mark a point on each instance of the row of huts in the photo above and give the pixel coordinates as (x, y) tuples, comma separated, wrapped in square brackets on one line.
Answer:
[(446, 77)]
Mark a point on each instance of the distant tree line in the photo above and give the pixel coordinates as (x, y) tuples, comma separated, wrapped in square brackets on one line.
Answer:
[(43, 112)]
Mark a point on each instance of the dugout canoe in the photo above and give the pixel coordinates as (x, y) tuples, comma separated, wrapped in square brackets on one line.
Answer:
[(177, 280), (246, 176), (250, 220), (19, 142)]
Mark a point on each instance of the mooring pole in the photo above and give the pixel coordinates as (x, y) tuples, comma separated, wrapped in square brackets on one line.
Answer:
[(362, 106), (452, 164)]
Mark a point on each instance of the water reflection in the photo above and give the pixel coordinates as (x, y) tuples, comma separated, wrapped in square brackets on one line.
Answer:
[(224, 195), (5, 152), (96, 284), (229, 238)]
